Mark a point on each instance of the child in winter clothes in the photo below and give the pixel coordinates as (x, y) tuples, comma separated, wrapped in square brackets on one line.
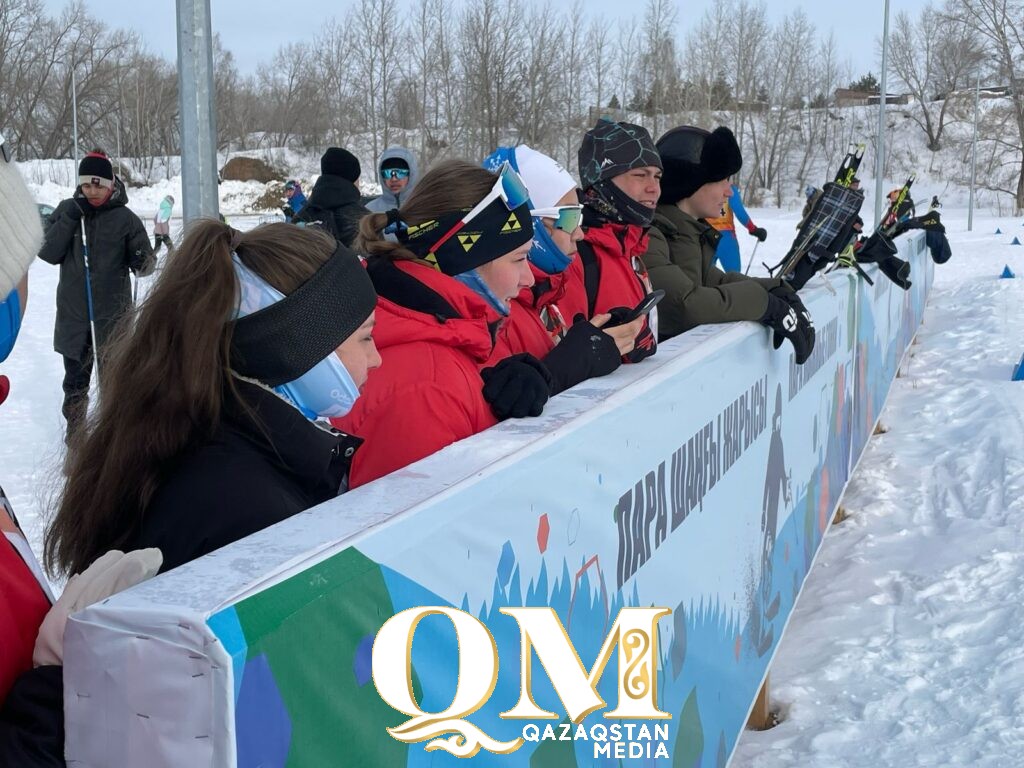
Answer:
[(162, 226), (116, 244)]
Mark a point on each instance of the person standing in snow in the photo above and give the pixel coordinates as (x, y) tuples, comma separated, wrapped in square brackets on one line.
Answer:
[(728, 252), (222, 401), (398, 174), (335, 203), (117, 244), (31, 627), (162, 226), (295, 199), (698, 164)]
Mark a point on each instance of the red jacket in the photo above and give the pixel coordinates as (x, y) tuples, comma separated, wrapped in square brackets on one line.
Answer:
[(536, 317), (433, 334), (623, 278), (23, 603)]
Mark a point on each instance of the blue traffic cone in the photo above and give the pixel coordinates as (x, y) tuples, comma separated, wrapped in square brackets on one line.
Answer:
[(1018, 371), (1007, 272), (999, 231), (1016, 241)]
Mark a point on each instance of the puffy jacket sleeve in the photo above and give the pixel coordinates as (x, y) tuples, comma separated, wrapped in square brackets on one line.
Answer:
[(688, 301), (32, 720), (410, 425), (60, 233), (138, 250)]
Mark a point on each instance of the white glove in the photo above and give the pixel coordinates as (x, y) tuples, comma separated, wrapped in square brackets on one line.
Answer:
[(113, 572)]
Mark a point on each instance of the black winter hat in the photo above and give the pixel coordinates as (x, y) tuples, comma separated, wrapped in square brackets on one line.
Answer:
[(340, 162), (694, 157), (95, 168), (610, 149), (394, 162)]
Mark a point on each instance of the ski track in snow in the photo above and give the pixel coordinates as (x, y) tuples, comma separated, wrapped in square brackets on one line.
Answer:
[(907, 646)]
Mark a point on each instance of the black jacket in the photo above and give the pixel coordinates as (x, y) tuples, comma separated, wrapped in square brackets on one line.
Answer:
[(117, 242), (32, 720), (336, 205), (245, 478)]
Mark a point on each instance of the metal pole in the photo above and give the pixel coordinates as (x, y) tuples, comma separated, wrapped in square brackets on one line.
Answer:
[(974, 152), (198, 116), (880, 153), (85, 240)]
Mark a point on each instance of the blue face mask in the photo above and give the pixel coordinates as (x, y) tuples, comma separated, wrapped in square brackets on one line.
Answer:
[(327, 390), (478, 286), (545, 253), (10, 323)]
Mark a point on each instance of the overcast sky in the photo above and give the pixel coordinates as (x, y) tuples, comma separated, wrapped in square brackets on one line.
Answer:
[(253, 29)]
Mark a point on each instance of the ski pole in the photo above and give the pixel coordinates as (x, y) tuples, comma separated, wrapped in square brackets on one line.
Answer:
[(88, 299), (750, 262)]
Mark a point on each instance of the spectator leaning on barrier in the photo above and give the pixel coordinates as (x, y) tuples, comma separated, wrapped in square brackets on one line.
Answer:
[(207, 429), (398, 174), (117, 243), (295, 200), (460, 259), (620, 174), (335, 204), (728, 252), (535, 324), (681, 255), (31, 631)]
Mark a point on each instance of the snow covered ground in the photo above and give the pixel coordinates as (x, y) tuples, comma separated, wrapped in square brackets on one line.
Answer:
[(907, 647)]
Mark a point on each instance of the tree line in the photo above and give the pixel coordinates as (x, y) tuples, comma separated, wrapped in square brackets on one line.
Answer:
[(459, 78)]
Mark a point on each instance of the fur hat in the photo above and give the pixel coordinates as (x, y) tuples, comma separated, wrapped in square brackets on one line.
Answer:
[(693, 157), (21, 233), (340, 162)]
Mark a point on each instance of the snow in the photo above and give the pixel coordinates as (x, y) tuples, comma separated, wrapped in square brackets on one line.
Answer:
[(907, 647)]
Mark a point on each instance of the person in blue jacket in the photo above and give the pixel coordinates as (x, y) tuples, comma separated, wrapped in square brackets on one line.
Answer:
[(728, 253)]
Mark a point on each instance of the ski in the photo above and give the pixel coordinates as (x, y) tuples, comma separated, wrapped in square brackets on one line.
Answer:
[(895, 205), (848, 168)]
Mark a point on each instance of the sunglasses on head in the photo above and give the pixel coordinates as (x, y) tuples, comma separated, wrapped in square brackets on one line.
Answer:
[(394, 173), (508, 188), (567, 217)]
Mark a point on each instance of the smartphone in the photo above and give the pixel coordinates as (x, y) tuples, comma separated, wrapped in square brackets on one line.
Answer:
[(643, 308)]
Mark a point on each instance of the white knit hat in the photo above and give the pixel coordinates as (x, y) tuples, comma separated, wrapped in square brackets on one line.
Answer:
[(546, 179), (21, 233)]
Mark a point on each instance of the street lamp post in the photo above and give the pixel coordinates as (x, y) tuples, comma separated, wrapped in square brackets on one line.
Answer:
[(974, 152), (880, 144)]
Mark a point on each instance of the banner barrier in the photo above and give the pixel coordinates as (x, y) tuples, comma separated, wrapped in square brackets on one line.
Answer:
[(700, 481)]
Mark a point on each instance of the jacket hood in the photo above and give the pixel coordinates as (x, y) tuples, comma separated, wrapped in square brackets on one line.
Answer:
[(422, 304), (628, 239), (387, 200), (117, 199), (333, 192)]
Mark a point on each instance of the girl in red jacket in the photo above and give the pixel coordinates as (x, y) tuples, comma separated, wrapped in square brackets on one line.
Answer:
[(460, 259)]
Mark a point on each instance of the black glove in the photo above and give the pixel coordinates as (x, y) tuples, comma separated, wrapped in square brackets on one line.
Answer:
[(759, 232), (584, 353), (938, 245), (897, 270), (791, 323), (517, 386)]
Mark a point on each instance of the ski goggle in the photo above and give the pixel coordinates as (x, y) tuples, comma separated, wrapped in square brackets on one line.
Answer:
[(567, 217), (509, 189), (394, 173), (6, 151)]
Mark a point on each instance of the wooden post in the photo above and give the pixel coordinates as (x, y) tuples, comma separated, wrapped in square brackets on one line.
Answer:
[(761, 717)]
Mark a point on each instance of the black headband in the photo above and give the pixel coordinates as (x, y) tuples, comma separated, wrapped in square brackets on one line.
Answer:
[(489, 235), (281, 342)]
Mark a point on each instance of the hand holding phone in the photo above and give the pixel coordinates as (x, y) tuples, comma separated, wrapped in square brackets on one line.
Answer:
[(622, 316)]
